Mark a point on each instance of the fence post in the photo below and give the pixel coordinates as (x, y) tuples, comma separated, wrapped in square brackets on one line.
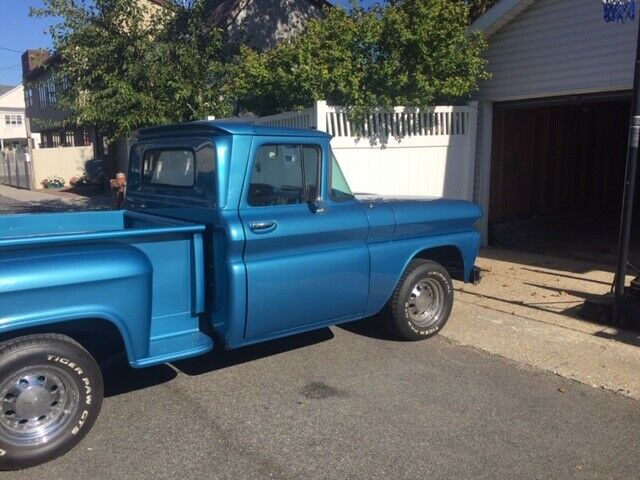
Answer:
[(472, 131), (320, 112)]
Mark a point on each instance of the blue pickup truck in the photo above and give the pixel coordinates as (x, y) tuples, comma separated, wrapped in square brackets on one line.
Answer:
[(232, 234)]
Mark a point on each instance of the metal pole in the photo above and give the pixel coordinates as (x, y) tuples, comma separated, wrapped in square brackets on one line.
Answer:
[(628, 194)]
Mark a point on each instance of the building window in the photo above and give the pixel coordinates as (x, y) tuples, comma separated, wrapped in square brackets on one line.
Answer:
[(42, 96), (68, 138), (51, 92), (13, 120), (28, 96)]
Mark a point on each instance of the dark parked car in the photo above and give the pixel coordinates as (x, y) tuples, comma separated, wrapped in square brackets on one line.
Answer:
[(93, 171)]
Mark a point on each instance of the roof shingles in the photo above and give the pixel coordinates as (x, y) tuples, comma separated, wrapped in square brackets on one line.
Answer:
[(5, 89)]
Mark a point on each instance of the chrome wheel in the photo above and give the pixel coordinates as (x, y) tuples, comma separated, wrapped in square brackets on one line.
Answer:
[(37, 404), (426, 303)]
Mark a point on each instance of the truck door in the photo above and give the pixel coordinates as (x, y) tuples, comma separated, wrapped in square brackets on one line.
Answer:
[(306, 257)]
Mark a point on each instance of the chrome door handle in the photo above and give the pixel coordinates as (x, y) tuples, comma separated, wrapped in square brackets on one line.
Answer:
[(263, 227)]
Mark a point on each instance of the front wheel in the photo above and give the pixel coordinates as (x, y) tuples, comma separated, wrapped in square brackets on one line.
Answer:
[(51, 392), (422, 301)]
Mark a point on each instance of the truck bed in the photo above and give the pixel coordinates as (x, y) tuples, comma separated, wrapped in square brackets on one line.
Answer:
[(42, 251), (73, 227)]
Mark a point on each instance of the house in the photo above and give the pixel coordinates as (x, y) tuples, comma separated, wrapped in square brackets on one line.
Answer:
[(13, 131), (262, 24), (43, 116), (553, 118)]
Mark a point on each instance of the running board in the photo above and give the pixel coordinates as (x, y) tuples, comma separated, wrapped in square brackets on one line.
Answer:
[(175, 347)]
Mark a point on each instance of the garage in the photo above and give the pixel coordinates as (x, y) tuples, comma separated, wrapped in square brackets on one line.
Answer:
[(552, 127), (557, 171)]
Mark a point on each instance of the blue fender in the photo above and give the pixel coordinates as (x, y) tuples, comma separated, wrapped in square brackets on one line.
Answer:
[(110, 282), (390, 259)]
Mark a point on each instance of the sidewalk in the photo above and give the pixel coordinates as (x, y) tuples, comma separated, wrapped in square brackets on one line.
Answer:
[(526, 309)]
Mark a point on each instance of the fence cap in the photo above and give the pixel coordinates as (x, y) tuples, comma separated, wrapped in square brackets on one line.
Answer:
[(232, 128)]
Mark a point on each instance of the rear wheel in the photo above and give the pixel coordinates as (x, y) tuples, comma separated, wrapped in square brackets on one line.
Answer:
[(51, 392), (422, 301)]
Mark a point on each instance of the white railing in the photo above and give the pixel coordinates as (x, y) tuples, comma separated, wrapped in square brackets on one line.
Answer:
[(399, 122), (396, 151)]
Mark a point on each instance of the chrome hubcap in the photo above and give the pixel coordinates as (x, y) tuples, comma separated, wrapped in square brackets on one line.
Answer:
[(426, 303), (37, 404)]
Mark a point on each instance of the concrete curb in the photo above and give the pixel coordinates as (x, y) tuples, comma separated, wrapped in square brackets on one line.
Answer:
[(600, 360)]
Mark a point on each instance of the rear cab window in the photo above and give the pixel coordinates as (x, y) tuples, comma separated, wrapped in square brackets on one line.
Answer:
[(181, 167), (169, 167)]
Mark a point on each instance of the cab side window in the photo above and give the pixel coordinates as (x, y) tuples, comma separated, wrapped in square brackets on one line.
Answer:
[(284, 175)]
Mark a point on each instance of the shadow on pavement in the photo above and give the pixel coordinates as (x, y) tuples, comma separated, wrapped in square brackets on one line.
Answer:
[(120, 378), (623, 336), (371, 327), (219, 358)]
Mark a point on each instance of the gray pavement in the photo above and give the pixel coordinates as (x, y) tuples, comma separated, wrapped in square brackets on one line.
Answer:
[(17, 200), (353, 404)]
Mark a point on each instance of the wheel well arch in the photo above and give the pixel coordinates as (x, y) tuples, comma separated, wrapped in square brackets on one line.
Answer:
[(449, 256), (100, 337)]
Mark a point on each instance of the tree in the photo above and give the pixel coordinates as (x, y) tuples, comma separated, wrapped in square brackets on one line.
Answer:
[(413, 52), (127, 64)]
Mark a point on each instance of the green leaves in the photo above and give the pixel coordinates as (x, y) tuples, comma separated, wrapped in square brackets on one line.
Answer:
[(413, 52), (129, 64)]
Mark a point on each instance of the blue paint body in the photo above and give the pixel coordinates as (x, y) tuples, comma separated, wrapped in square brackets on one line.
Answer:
[(180, 266)]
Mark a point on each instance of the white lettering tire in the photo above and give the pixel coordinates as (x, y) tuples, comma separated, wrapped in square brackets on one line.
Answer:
[(51, 392), (422, 301)]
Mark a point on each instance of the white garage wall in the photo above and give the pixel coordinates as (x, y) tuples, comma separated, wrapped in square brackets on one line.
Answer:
[(559, 47)]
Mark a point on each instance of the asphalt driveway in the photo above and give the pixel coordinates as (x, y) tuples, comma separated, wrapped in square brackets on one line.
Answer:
[(353, 405)]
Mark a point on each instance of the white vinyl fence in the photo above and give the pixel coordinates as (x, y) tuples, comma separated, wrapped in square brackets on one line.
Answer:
[(65, 162), (398, 151)]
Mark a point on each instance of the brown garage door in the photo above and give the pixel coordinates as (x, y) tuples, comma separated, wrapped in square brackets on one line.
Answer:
[(554, 159)]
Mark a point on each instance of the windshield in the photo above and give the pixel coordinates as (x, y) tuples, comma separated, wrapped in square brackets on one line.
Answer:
[(339, 187)]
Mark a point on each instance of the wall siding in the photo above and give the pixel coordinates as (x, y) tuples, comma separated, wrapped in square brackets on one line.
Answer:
[(12, 103), (559, 47)]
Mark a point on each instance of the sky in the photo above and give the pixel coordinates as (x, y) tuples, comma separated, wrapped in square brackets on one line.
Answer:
[(21, 32)]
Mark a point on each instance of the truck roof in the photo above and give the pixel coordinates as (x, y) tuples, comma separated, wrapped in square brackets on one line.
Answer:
[(232, 128)]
